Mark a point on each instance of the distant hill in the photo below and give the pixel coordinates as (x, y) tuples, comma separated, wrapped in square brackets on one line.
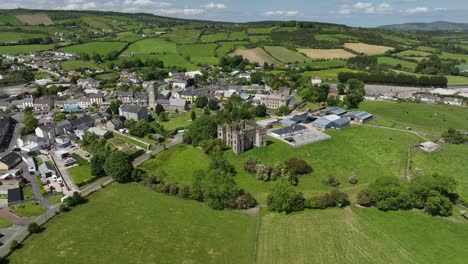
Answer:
[(433, 26)]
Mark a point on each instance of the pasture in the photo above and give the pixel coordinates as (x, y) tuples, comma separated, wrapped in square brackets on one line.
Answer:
[(395, 62), (356, 235), (328, 75), (429, 118), (413, 53), (323, 64), (285, 55), (10, 37), (450, 160), (170, 60), (141, 226), (183, 36), (327, 54), (227, 47), (257, 55), (261, 30), (199, 53), (214, 37), (102, 48), (8, 20), (367, 49), (152, 45), (23, 49)]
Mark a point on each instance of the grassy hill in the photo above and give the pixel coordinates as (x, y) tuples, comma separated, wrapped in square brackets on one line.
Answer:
[(433, 26)]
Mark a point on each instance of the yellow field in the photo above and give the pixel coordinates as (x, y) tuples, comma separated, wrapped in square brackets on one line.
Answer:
[(257, 55), (367, 49), (35, 20), (327, 54)]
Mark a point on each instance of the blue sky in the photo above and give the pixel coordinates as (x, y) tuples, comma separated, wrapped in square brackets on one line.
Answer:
[(350, 12)]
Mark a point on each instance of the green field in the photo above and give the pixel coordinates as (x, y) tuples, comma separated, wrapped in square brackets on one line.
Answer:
[(285, 55), (199, 53), (225, 48), (127, 36), (214, 37), (27, 209), (171, 60), (18, 36), (238, 35), (78, 64), (102, 48), (8, 20), (152, 45), (80, 174), (451, 160), (434, 119), (454, 56), (395, 62), (171, 161), (325, 64), (457, 80), (328, 75), (355, 235), (141, 226), (19, 49), (260, 30), (183, 36), (366, 151)]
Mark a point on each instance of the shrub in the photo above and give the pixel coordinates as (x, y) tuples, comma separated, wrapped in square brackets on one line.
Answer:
[(33, 227), (330, 180), (74, 200), (363, 198), (63, 208), (246, 201), (332, 199), (184, 191), (250, 165), (263, 172), (285, 199), (298, 166), (13, 244), (438, 204), (173, 189)]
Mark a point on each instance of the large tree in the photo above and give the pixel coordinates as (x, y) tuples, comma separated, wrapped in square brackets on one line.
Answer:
[(119, 166), (284, 198), (97, 165)]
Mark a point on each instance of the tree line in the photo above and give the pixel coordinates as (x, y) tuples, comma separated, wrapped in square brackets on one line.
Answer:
[(395, 78)]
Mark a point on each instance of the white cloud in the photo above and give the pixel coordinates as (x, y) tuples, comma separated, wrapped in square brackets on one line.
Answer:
[(365, 7), (418, 10), (180, 11), (214, 6), (281, 13)]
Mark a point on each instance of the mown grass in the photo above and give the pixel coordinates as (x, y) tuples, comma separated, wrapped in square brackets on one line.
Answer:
[(27, 209), (19, 49), (17, 36), (328, 75), (183, 36), (395, 62), (141, 226), (80, 174), (355, 235), (285, 55)]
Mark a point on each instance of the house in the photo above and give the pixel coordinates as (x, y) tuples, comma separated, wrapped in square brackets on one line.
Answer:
[(179, 83), (333, 111), (97, 99), (453, 101), (43, 104), (189, 95), (133, 112), (85, 120), (10, 161), (100, 133), (125, 96), (429, 99), (5, 124), (193, 74), (359, 116), (316, 80), (114, 124), (15, 195), (47, 170), (31, 143), (274, 101), (429, 146), (289, 131)]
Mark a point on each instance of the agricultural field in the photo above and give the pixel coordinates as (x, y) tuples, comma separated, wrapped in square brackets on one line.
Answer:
[(328, 75), (152, 45), (395, 62), (10, 37), (102, 48), (454, 56), (457, 80), (238, 35), (20, 49), (367, 49), (324, 37), (327, 54), (259, 38), (285, 55), (257, 55), (78, 64), (225, 48), (150, 227), (171, 60), (404, 41), (199, 53), (35, 20), (325, 64), (435, 119), (127, 36), (451, 160), (183, 36), (261, 30), (214, 37), (8, 20), (413, 53), (95, 23), (427, 49), (356, 235)]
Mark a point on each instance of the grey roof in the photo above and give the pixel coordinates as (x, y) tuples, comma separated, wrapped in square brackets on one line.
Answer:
[(163, 102), (131, 108), (85, 119), (361, 115), (11, 159), (15, 195), (322, 122), (46, 167), (301, 118), (289, 129), (340, 122), (335, 111), (177, 102)]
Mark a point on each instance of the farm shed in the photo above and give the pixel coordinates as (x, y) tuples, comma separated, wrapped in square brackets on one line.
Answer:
[(359, 116), (429, 146)]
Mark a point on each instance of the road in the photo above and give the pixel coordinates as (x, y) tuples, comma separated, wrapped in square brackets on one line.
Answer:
[(70, 186), (422, 135), (176, 140)]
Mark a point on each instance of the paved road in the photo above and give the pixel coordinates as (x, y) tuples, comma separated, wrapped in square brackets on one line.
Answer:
[(96, 186), (176, 140), (70, 186)]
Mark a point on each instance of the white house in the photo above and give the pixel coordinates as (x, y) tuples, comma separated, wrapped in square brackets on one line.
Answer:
[(429, 146), (192, 74), (316, 80)]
